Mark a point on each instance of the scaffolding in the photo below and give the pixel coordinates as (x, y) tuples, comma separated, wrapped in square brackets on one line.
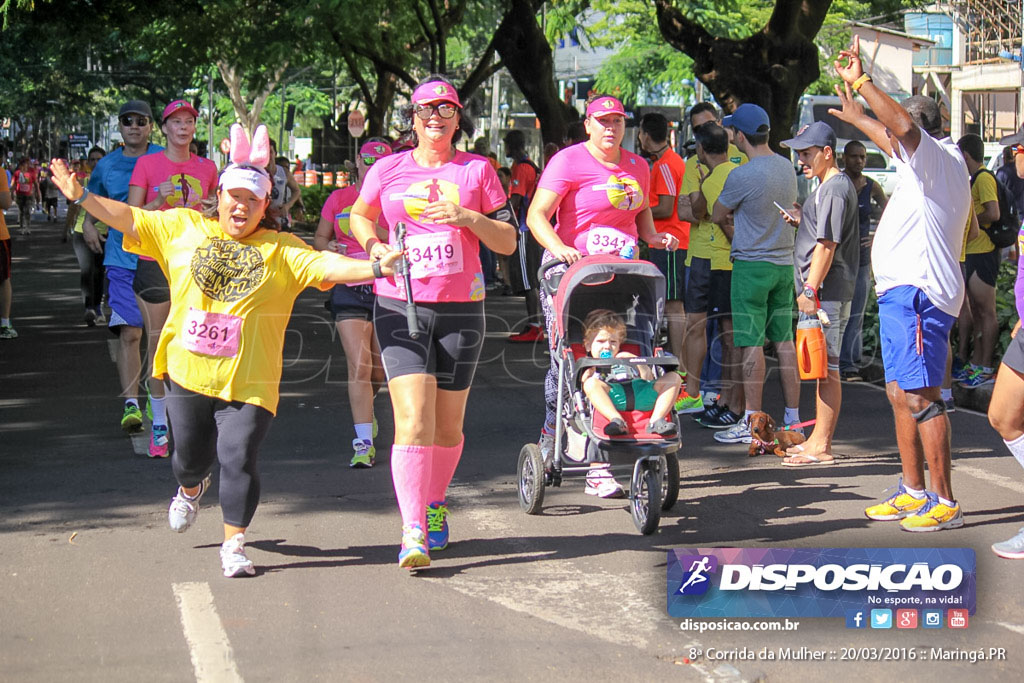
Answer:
[(993, 29)]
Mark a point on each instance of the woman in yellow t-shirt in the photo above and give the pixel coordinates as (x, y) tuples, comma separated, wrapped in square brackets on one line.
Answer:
[(233, 280)]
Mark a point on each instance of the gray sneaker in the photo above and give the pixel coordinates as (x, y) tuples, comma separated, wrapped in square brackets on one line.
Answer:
[(738, 433), (183, 510), (1012, 549), (232, 558), (8, 332)]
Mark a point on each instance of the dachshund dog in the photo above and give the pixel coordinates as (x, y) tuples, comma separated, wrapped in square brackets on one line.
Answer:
[(764, 438)]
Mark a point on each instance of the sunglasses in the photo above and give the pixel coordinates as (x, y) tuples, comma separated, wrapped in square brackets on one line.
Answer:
[(1018, 149), (444, 110), (128, 121)]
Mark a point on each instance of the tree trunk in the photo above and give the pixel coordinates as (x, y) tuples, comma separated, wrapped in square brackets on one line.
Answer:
[(527, 55), (771, 68)]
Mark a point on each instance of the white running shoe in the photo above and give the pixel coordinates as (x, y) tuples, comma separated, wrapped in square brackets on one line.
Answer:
[(232, 557), (601, 483), (183, 510), (738, 433)]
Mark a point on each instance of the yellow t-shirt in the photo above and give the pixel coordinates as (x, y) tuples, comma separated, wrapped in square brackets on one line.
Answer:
[(983, 190), (254, 280), (701, 234), (719, 246)]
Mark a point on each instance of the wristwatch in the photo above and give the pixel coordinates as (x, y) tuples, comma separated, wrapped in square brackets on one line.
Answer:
[(810, 292)]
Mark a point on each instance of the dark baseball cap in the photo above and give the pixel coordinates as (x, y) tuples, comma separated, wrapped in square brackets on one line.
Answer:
[(136, 107), (817, 134), (748, 119)]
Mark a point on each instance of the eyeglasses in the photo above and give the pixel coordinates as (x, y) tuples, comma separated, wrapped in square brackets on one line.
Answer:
[(444, 110), (128, 121), (368, 160)]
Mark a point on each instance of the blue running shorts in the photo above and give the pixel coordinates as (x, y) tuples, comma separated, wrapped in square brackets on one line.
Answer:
[(121, 298), (915, 338)]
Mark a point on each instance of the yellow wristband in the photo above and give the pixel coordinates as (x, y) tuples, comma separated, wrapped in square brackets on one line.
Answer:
[(859, 83)]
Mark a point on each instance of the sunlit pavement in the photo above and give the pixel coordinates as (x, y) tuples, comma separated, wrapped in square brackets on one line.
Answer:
[(98, 588)]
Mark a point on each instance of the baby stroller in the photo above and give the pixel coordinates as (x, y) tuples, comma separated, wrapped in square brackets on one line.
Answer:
[(636, 291)]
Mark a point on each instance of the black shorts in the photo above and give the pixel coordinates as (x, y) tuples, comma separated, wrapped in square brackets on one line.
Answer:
[(1014, 356), (449, 345), (5, 260), (150, 283), (25, 202), (985, 265), (672, 265), (719, 295), (50, 202), (708, 291), (351, 302), (524, 263)]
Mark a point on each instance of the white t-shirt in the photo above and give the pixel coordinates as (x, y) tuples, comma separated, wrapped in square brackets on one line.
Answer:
[(921, 231)]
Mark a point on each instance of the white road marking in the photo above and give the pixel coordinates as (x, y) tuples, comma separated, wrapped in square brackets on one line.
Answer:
[(1013, 627), (1014, 485), (208, 644)]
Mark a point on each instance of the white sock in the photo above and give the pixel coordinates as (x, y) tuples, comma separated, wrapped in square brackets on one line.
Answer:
[(132, 401), (946, 394), (747, 414), (792, 416), (159, 408), (1017, 448), (364, 432), (5, 322), (948, 503), (916, 493)]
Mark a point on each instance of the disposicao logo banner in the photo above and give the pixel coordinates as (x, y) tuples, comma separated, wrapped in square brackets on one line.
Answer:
[(817, 582)]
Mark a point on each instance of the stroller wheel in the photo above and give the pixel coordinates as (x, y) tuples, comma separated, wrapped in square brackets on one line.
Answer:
[(670, 482), (645, 501), (531, 479)]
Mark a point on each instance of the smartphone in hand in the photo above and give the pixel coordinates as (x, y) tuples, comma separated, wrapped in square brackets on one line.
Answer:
[(785, 213)]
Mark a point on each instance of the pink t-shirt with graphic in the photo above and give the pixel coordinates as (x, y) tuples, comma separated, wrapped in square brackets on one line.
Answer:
[(597, 213), (444, 259), (193, 180), (337, 210)]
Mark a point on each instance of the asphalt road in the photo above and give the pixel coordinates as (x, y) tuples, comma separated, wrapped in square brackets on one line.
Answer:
[(96, 588)]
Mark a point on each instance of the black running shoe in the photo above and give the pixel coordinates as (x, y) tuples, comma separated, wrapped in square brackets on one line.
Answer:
[(712, 410), (723, 420)]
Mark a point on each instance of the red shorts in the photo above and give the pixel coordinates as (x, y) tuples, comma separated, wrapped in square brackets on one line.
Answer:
[(5, 260)]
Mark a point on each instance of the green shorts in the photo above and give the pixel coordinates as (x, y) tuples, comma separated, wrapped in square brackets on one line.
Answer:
[(637, 394), (762, 303)]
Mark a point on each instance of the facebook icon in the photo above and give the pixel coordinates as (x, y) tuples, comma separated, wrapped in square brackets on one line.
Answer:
[(855, 618)]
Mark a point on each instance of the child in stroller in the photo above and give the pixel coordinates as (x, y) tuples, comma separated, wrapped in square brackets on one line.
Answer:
[(625, 387)]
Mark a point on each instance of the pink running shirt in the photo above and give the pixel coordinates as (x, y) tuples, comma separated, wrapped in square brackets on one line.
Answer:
[(337, 210), (193, 180), (599, 205), (445, 260)]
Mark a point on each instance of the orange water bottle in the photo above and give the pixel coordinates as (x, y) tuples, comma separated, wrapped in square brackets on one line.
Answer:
[(811, 352)]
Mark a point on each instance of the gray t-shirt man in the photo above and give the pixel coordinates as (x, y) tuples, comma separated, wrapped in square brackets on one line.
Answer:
[(751, 191), (830, 213)]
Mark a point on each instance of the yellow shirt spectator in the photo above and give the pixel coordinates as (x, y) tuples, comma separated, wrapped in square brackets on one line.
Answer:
[(701, 233), (983, 190), (718, 246)]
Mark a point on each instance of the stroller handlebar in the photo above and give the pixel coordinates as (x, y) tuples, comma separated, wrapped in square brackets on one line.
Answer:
[(550, 285)]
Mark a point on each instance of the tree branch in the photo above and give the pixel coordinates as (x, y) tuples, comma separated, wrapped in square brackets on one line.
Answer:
[(431, 37), (483, 70), (802, 17), (685, 35)]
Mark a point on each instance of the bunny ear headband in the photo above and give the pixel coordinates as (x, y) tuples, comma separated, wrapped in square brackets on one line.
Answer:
[(246, 170)]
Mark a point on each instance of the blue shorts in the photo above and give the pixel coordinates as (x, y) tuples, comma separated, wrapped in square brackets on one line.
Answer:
[(121, 298), (915, 338)]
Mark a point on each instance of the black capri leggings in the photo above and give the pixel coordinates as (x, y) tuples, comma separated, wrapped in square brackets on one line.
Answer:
[(449, 346), (90, 265), (206, 429)]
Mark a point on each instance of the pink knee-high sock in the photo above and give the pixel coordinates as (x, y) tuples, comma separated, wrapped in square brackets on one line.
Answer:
[(446, 459), (410, 471)]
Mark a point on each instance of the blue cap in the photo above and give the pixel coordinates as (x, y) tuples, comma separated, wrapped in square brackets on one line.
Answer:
[(817, 134), (748, 119)]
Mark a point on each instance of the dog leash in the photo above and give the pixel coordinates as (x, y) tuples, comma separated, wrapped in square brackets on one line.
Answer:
[(798, 425)]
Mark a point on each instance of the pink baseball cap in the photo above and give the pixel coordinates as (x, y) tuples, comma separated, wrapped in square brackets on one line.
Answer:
[(436, 91), (376, 150), (603, 106), (179, 105)]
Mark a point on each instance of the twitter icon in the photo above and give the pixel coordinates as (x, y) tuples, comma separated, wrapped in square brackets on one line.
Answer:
[(881, 618)]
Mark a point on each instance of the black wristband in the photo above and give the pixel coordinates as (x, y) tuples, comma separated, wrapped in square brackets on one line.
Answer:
[(377, 272)]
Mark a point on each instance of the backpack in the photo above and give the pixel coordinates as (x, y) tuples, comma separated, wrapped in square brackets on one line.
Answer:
[(1002, 232)]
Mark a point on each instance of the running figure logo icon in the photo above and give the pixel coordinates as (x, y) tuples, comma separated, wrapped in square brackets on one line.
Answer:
[(696, 580)]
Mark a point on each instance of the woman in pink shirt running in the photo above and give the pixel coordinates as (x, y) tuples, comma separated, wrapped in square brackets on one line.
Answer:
[(171, 178), (352, 306), (450, 201), (599, 192)]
